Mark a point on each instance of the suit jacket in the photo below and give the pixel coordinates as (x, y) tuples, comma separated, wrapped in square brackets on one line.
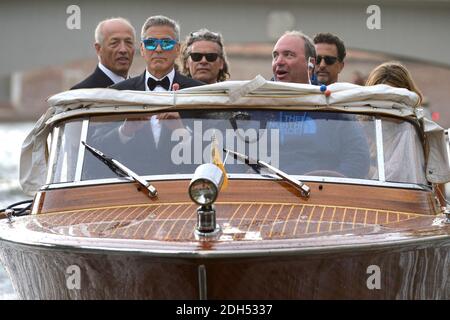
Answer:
[(98, 79), (138, 83)]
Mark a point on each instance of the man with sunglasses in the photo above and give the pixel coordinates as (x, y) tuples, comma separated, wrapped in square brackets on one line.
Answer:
[(203, 57), (330, 52), (114, 44), (160, 48)]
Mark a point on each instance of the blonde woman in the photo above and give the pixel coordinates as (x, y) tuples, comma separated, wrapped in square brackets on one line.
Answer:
[(394, 74), (399, 136)]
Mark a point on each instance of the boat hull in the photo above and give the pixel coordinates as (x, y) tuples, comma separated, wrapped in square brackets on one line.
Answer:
[(412, 271), (344, 242)]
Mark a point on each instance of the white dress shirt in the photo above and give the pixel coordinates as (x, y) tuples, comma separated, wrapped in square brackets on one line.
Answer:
[(114, 77), (155, 124)]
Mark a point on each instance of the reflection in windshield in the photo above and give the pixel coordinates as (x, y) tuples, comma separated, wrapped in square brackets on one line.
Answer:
[(297, 142), (322, 141)]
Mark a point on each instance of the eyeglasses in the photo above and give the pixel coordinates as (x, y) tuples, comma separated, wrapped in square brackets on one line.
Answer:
[(152, 43), (205, 34), (197, 56), (329, 60)]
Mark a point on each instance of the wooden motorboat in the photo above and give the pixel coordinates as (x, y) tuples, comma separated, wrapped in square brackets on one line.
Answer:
[(373, 226)]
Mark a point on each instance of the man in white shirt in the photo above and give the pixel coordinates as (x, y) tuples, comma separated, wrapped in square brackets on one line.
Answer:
[(115, 47)]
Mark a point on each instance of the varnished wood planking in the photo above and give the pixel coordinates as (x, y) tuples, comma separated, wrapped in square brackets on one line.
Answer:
[(241, 190), (238, 221)]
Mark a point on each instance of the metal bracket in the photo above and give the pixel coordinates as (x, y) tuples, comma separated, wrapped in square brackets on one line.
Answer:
[(206, 222)]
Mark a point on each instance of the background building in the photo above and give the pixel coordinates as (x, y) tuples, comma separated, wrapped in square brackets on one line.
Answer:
[(44, 52)]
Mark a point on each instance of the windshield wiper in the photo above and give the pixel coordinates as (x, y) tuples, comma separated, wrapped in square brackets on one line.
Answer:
[(121, 170), (303, 188)]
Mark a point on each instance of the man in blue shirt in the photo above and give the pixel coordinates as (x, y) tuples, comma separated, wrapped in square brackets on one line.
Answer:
[(314, 142), (293, 58)]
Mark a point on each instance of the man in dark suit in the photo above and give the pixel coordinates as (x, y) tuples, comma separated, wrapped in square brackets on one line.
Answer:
[(160, 48), (145, 143), (114, 44)]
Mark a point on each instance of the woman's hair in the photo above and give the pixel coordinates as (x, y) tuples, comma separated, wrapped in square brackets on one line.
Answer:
[(394, 74)]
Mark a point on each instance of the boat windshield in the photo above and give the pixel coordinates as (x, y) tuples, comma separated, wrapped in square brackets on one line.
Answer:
[(305, 143)]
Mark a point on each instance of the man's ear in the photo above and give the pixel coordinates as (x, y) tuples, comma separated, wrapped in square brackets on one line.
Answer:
[(142, 49), (97, 48), (341, 66)]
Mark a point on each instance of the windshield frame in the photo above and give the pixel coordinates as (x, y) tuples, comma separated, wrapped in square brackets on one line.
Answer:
[(169, 177)]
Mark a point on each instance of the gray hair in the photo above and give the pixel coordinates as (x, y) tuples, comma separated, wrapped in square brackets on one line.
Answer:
[(161, 21), (205, 35), (310, 50), (99, 35)]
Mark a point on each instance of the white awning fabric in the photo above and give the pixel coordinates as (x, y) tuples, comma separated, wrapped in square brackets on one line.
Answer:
[(380, 99)]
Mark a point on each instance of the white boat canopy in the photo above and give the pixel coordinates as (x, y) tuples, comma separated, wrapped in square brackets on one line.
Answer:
[(345, 97)]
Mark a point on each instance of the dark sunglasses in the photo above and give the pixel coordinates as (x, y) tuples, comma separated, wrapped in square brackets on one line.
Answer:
[(328, 60), (210, 57), (152, 43), (198, 34)]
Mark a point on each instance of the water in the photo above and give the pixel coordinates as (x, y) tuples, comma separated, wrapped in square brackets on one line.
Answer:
[(12, 135)]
